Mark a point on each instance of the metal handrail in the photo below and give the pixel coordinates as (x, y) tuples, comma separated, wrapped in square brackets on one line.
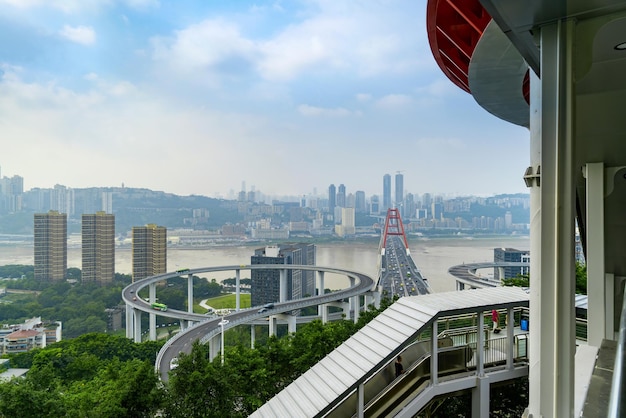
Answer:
[(617, 402)]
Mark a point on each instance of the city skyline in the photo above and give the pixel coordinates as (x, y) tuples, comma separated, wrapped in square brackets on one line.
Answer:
[(6, 189), (196, 97)]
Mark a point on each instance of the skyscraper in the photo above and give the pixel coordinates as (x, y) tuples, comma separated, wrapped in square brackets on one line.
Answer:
[(266, 283), (332, 196), (50, 245), (386, 192), (400, 192), (341, 196), (149, 251), (98, 239)]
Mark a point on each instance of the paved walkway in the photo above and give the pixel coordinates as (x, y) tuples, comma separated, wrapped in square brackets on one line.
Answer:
[(205, 306)]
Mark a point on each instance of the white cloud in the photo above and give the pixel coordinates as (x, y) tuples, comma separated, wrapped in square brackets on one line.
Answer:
[(394, 101), (66, 6), (312, 111), (210, 48), (345, 40), (84, 35), (363, 97)]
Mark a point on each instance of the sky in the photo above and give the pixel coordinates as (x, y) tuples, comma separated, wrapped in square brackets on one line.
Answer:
[(198, 97)]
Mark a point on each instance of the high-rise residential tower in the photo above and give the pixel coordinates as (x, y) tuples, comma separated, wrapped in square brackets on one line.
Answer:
[(98, 239), (149, 251), (386, 192), (50, 244), (332, 198), (341, 196), (265, 284), (400, 192)]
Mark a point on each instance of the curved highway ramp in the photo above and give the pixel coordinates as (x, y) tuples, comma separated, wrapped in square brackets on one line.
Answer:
[(357, 378)]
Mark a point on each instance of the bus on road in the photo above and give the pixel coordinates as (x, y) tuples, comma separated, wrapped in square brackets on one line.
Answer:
[(159, 306)]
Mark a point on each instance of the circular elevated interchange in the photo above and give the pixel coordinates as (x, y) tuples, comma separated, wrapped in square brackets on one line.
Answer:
[(466, 274), (205, 328)]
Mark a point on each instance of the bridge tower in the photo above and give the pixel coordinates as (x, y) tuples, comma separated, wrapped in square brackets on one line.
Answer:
[(393, 226)]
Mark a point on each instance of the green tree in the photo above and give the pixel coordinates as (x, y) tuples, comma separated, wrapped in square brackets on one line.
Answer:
[(523, 280)]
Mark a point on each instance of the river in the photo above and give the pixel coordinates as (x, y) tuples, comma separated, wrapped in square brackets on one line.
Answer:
[(432, 255)]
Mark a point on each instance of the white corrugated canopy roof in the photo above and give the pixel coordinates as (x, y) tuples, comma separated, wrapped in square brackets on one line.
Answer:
[(342, 370)]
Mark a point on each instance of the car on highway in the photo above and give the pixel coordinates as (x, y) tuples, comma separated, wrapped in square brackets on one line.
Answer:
[(174, 363), (266, 307)]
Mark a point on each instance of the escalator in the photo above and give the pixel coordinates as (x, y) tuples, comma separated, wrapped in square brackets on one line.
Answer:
[(384, 393)]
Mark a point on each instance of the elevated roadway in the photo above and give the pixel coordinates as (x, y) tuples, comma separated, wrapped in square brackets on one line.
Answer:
[(467, 274), (206, 328), (399, 275)]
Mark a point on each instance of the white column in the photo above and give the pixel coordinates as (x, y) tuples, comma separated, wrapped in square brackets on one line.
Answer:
[(237, 290), (360, 413), (272, 325), (357, 307), (480, 398), (351, 300), (129, 322), (510, 337), (214, 346), (552, 322), (252, 335), (291, 323), (596, 289), (137, 322), (190, 293), (434, 355), (324, 313), (283, 285), (480, 345), (152, 316), (320, 291)]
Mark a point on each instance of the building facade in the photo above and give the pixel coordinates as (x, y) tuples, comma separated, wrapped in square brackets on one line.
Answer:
[(265, 284), (149, 251), (341, 196), (33, 333), (98, 247), (332, 198), (386, 192), (510, 255), (400, 192), (50, 244)]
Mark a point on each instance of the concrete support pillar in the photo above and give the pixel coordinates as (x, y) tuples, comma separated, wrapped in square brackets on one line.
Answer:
[(237, 290), (360, 408), (137, 323), (600, 295), (320, 291), (552, 316), (356, 304), (252, 335), (183, 325), (129, 322), (480, 398), (351, 300), (596, 290), (283, 285), (346, 309), (291, 323), (434, 355), (214, 346), (501, 274), (272, 322), (324, 313), (152, 316), (510, 337), (480, 345), (190, 293)]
